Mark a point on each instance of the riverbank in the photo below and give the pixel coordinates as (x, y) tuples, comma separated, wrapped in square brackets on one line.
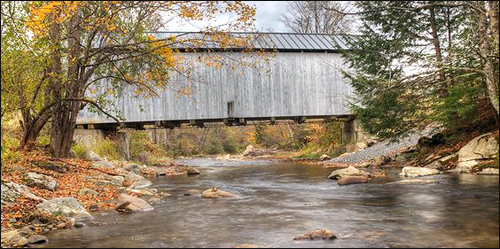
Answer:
[(41, 193), (94, 184)]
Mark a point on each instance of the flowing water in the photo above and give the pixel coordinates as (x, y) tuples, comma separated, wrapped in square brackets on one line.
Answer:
[(277, 201)]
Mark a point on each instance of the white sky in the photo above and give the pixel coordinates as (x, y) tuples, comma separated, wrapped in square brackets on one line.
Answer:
[(267, 18)]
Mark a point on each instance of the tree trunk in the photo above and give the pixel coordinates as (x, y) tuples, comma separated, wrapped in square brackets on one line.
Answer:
[(488, 57), (439, 58)]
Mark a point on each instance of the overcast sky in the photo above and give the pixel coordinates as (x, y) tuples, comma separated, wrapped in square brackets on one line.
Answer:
[(267, 18)]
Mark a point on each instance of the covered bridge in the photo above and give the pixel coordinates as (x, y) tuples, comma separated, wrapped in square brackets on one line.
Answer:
[(302, 80)]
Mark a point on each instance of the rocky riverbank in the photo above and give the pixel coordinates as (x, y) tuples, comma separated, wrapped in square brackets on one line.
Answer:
[(42, 193), (427, 157)]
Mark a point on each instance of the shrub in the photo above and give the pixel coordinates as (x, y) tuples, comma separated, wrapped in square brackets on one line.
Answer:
[(109, 148)]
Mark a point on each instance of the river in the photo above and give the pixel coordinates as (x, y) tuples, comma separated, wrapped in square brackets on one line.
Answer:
[(277, 201)]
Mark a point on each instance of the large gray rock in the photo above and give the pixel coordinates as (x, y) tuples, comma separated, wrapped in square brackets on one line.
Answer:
[(41, 181), (319, 234), (105, 179), (418, 171), (192, 171), (480, 148), (69, 207), (11, 191), (349, 171), (132, 204), (102, 165), (215, 193), (92, 156), (324, 157), (37, 239)]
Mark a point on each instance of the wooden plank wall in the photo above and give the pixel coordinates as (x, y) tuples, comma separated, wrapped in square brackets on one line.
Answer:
[(291, 84)]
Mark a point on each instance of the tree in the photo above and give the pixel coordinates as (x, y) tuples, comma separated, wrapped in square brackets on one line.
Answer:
[(89, 42), (415, 60), (317, 17)]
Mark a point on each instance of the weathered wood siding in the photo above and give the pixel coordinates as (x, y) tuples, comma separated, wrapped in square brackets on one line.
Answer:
[(292, 84)]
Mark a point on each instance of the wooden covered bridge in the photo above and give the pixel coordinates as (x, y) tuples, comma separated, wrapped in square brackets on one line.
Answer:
[(301, 81)]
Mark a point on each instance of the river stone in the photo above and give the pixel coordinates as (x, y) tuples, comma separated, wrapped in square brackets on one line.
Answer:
[(87, 191), (102, 165), (154, 201), (480, 148), (364, 165), (215, 193), (349, 171), (41, 181), (132, 204), (37, 239), (319, 234), (414, 181), (192, 171), (64, 206), (143, 183), (489, 171), (133, 168), (352, 180), (92, 156), (192, 192), (11, 191), (11, 238), (324, 157), (418, 171)]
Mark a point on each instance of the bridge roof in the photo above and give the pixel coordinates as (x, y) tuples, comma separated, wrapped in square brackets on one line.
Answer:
[(290, 42)]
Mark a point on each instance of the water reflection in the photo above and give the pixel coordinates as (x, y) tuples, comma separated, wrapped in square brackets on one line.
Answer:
[(277, 201)]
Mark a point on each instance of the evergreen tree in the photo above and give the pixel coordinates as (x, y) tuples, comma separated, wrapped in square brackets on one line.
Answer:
[(417, 62)]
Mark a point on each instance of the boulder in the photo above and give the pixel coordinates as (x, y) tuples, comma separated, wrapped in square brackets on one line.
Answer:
[(418, 171), (349, 171), (324, 157), (134, 168), (319, 234), (192, 171), (12, 238), (102, 165), (483, 147), (64, 206), (105, 179), (415, 181), (92, 156), (41, 181), (132, 204), (489, 171), (154, 201), (37, 239), (11, 191), (447, 160), (87, 191), (352, 180), (215, 193), (143, 183), (248, 150), (192, 192)]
